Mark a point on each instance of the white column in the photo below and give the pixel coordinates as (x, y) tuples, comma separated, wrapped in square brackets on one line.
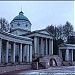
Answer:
[(38, 46), (50, 47), (27, 53), (30, 53), (46, 47), (0, 49), (72, 54), (35, 45), (14, 48), (42, 47), (60, 53), (20, 59), (7, 47), (67, 55)]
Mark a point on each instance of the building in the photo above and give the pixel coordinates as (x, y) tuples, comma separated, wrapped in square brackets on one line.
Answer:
[(67, 51), (21, 45)]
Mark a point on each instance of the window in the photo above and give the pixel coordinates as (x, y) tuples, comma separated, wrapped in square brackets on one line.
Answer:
[(26, 25), (18, 24)]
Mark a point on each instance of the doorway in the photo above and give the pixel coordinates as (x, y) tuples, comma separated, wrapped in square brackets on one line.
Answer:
[(53, 62)]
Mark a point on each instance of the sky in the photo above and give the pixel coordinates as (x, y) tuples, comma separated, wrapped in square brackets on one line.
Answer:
[(40, 13)]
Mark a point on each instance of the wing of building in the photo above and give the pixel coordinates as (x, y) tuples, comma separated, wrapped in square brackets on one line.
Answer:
[(21, 45)]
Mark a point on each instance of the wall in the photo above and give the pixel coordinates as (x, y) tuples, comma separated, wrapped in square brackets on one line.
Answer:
[(46, 59), (9, 68)]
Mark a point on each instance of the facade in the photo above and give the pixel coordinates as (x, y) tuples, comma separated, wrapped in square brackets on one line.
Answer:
[(20, 45), (8, 51), (67, 51), (42, 43)]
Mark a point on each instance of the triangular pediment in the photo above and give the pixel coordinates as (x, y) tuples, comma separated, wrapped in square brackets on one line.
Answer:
[(44, 32)]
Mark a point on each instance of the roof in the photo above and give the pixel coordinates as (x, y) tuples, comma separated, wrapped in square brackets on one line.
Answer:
[(67, 45), (21, 17), (15, 36), (37, 31)]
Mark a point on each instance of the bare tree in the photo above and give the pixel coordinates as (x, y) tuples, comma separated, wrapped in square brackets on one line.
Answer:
[(4, 25), (59, 32), (68, 29), (51, 29)]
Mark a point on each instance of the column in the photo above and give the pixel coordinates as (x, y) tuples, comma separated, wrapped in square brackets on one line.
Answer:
[(42, 47), (46, 47), (0, 49), (30, 53), (7, 47), (20, 59), (27, 53), (72, 54), (14, 48), (38, 47), (60, 53), (67, 55), (35, 45), (50, 47)]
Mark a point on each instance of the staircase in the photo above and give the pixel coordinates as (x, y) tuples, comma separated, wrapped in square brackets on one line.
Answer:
[(36, 64), (40, 66)]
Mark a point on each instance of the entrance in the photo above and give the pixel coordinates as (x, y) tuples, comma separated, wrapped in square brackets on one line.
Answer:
[(53, 62)]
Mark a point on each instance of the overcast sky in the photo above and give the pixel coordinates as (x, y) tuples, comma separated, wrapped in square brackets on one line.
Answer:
[(40, 13)]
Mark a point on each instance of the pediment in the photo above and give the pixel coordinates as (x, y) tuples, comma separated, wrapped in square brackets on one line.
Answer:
[(44, 32)]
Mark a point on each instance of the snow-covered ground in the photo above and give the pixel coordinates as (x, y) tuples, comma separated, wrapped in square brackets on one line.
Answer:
[(63, 70)]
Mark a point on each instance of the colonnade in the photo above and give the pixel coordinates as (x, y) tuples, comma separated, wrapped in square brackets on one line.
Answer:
[(4, 51), (68, 54), (43, 46)]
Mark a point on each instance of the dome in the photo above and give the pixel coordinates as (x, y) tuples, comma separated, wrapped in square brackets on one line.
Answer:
[(21, 22), (21, 17)]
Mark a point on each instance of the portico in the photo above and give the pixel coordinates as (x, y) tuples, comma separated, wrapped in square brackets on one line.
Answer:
[(42, 46), (68, 49), (42, 42), (9, 52)]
